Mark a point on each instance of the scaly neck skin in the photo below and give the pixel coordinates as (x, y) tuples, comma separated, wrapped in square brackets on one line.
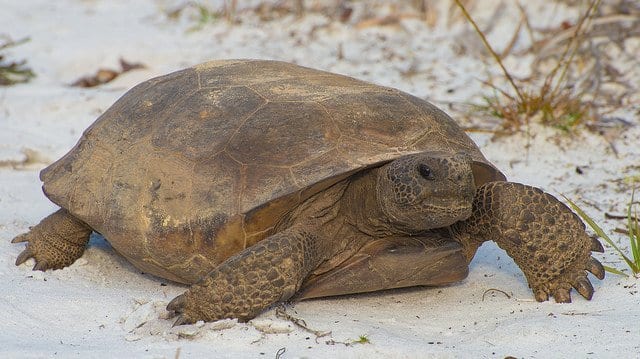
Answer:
[(467, 233), (361, 206), (479, 227)]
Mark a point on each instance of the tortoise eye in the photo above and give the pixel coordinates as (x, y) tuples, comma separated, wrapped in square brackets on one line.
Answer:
[(425, 172)]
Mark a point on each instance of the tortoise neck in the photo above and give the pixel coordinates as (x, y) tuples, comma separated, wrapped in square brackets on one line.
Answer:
[(362, 207)]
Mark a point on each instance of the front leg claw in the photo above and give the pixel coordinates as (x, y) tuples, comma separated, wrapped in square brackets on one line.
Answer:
[(596, 246), (596, 268), (560, 287), (562, 295), (584, 287), (560, 292)]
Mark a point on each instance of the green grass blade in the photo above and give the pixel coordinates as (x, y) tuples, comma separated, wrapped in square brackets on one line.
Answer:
[(632, 226), (634, 237), (585, 217), (615, 271), (634, 248)]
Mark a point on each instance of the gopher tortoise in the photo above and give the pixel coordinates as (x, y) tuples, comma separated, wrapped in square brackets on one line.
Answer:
[(259, 181)]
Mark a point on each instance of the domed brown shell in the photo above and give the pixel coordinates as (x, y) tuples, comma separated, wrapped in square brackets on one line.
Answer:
[(189, 168)]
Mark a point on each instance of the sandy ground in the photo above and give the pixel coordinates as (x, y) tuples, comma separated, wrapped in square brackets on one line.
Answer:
[(102, 307)]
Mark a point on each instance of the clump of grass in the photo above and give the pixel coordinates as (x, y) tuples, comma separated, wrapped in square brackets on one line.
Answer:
[(633, 233), (13, 72), (554, 103), (563, 109), (265, 10), (203, 14), (362, 339)]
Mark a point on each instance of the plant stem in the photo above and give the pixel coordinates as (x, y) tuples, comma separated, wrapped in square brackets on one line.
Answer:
[(588, 15), (494, 54)]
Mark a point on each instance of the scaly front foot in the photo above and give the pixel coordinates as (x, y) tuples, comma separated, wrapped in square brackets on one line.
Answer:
[(574, 276), (542, 235)]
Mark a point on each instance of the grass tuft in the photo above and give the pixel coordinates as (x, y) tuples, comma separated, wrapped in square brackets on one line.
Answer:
[(12, 73), (554, 103), (363, 339), (633, 233), (205, 16)]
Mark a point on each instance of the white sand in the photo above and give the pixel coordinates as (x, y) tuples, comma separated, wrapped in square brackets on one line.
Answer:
[(102, 307)]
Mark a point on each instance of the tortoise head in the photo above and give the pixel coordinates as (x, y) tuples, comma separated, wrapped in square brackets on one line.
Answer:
[(426, 190)]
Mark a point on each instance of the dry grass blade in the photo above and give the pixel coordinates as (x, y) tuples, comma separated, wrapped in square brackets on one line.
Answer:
[(634, 231), (554, 102), (490, 48), (588, 16)]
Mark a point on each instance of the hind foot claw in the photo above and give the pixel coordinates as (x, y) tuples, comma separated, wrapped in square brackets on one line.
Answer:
[(56, 242)]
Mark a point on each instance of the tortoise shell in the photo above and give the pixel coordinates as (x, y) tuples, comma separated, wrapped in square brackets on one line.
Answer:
[(189, 168)]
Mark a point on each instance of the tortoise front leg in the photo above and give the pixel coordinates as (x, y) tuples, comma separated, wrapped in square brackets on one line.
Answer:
[(244, 285), (542, 235)]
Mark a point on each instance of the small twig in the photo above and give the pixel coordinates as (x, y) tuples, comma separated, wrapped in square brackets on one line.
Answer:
[(493, 53), (598, 28), (496, 88), (588, 16), (621, 230), (618, 216), (476, 129), (230, 10), (514, 39), (362, 340), (334, 342), (282, 314), (495, 290), (299, 8), (527, 24), (574, 313)]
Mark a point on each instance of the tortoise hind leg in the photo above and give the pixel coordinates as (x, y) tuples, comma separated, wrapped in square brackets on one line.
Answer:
[(56, 242)]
